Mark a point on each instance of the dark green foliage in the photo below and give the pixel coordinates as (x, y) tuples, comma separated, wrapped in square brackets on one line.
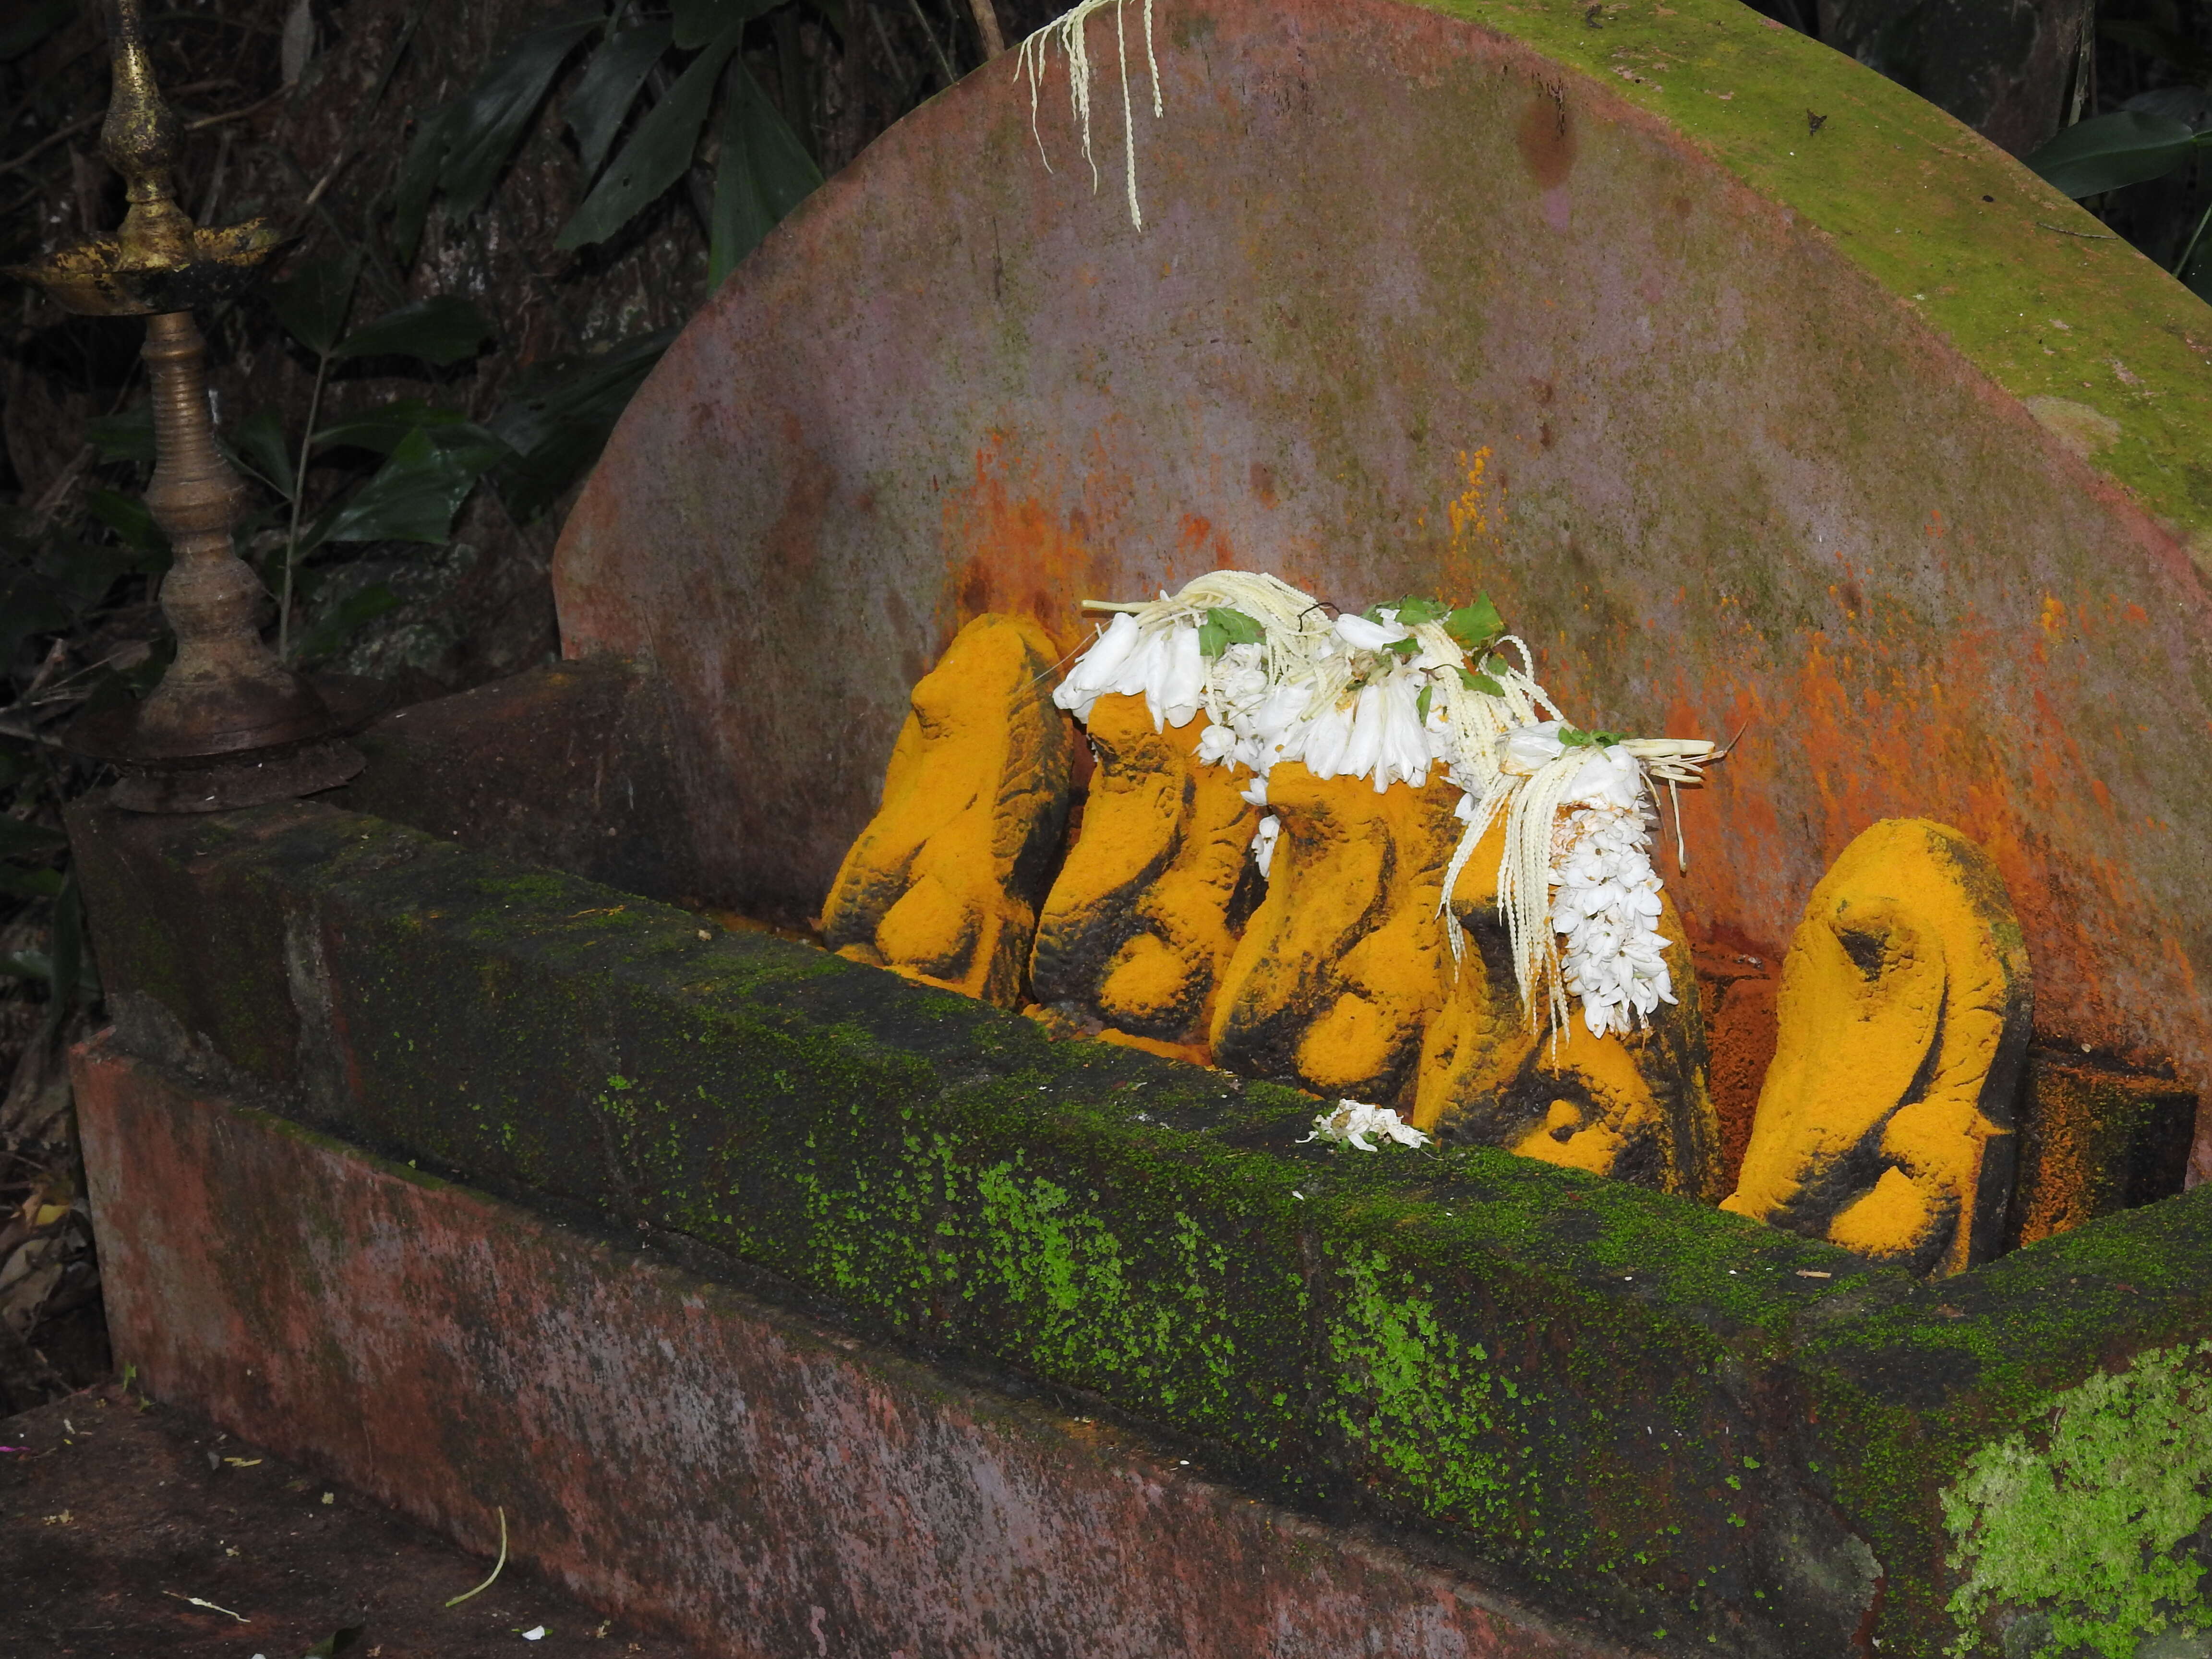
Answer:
[(602, 99), (558, 417), (658, 153), (380, 428), (2108, 152), (414, 496), (312, 302), (699, 22), (125, 437), (257, 446), (462, 148), (764, 172), (130, 517), (442, 330)]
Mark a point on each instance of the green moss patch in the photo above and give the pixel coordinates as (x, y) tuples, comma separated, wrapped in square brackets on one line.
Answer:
[(2086, 1520)]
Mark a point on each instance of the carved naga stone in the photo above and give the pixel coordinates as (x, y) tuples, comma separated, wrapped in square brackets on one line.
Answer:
[(1344, 962), (1144, 915), (1629, 1105), (1886, 1122), (943, 885)]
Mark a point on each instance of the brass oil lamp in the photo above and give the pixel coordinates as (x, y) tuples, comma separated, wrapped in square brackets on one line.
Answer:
[(229, 726)]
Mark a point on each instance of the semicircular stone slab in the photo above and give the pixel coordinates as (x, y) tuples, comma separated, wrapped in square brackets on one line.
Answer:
[(1753, 388)]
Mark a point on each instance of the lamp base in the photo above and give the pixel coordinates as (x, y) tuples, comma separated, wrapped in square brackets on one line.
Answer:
[(253, 779), (154, 780)]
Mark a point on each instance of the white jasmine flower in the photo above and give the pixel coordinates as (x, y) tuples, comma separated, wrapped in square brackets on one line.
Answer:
[(1364, 726), (1606, 904), (1263, 839), (1527, 750), (1351, 1122), (1176, 678), (1098, 670), (1575, 871), (1365, 636), (1218, 745), (1328, 742), (1610, 777), (1406, 748)]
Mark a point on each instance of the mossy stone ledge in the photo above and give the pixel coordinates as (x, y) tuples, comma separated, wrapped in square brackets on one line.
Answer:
[(1630, 1409)]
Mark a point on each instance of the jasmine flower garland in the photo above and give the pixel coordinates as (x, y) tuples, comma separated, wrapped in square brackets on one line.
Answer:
[(1390, 694)]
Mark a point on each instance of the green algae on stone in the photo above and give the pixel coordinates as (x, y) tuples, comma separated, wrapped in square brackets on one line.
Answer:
[(1413, 1395), (2083, 1520)]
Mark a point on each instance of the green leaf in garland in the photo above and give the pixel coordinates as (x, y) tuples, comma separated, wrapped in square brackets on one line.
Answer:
[(1236, 627), (1472, 627), (1212, 639), (1421, 705), (1573, 739), (1414, 610), (1481, 683), (1404, 650)]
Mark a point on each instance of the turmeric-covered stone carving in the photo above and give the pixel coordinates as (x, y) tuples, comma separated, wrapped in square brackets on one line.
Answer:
[(1460, 918), (1145, 913), (1885, 1121), (943, 885), (1345, 962), (1629, 1102)]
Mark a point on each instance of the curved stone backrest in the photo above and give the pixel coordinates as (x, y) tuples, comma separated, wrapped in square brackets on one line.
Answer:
[(1858, 434)]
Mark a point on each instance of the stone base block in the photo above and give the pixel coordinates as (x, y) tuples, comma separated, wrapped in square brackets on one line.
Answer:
[(674, 1449)]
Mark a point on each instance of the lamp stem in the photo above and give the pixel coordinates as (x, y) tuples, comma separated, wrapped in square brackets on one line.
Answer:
[(225, 691)]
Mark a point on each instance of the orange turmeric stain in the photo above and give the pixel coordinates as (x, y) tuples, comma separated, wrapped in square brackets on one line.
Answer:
[(1014, 556), (1859, 729)]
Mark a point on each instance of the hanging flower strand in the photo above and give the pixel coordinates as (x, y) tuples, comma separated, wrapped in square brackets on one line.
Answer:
[(1031, 61)]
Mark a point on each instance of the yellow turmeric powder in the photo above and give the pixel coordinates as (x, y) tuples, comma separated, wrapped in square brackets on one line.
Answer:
[(942, 885), (1885, 1121), (1344, 962), (1145, 913), (1629, 1105)]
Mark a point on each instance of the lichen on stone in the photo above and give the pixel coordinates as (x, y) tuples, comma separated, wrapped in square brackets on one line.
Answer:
[(2084, 1521)]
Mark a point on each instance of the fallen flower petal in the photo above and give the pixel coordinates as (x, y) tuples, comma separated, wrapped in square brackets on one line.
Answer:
[(1353, 1120)]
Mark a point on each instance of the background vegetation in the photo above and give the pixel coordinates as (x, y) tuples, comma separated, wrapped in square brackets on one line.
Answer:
[(502, 211)]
